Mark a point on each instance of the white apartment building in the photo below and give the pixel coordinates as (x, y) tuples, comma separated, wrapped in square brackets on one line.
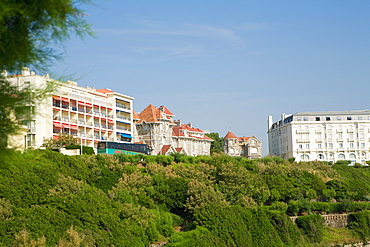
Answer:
[(326, 136), (89, 114)]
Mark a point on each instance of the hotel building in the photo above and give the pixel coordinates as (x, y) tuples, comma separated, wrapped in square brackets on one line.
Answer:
[(89, 114), (326, 136)]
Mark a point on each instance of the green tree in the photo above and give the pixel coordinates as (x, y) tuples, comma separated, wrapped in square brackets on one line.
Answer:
[(30, 32), (216, 145), (29, 29), (63, 140)]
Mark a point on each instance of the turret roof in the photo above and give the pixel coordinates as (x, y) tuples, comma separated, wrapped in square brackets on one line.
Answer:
[(230, 135)]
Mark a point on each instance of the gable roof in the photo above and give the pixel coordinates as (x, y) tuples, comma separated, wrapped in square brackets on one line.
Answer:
[(230, 135), (164, 149)]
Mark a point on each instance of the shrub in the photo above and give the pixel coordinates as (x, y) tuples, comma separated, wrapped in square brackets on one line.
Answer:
[(291, 159), (312, 226), (85, 149), (279, 206)]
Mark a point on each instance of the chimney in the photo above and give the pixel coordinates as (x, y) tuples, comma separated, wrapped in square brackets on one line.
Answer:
[(177, 122), (25, 71), (189, 124)]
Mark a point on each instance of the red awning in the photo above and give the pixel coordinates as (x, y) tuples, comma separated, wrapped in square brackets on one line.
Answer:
[(65, 100), (56, 97), (96, 106), (57, 125), (81, 103), (96, 141), (74, 127), (88, 104), (65, 125)]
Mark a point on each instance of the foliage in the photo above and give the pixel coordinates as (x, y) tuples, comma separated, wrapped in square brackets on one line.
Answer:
[(312, 226), (361, 224), (101, 200), (216, 145), (28, 29), (63, 140), (85, 149)]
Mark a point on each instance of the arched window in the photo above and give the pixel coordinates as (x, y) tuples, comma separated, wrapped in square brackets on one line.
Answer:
[(341, 156), (320, 157), (352, 156), (305, 157)]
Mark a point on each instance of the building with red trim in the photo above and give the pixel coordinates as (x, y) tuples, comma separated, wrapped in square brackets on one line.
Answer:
[(92, 115), (164, 135)]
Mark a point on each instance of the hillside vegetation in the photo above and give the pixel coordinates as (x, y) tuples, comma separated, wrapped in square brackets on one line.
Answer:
[(49, 199)]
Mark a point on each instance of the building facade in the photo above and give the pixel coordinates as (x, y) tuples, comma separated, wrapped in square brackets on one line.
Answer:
[(326, 136), (164, 135), (92, 115), (248, 147)]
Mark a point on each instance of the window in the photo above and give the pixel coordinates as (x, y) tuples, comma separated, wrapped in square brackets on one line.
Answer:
[(305, 119), (299, 119), (341, 156), (319, 145), (351, 144), (352, 156), (338, 118), (362, 144), (317, 118), (327, 118), (341, 144), (300, 146), (305, 157), (349, 118), (360, 118), (330, 145), (307, 145)]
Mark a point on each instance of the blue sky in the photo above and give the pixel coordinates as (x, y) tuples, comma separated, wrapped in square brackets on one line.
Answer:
[(228, 65)]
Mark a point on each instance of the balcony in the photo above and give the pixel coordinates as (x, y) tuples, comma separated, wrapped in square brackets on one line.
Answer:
[(123, 106), (302, 131), (298, 140)]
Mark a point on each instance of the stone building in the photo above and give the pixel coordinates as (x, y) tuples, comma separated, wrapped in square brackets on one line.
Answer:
[(156, 127), (248, 147)]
